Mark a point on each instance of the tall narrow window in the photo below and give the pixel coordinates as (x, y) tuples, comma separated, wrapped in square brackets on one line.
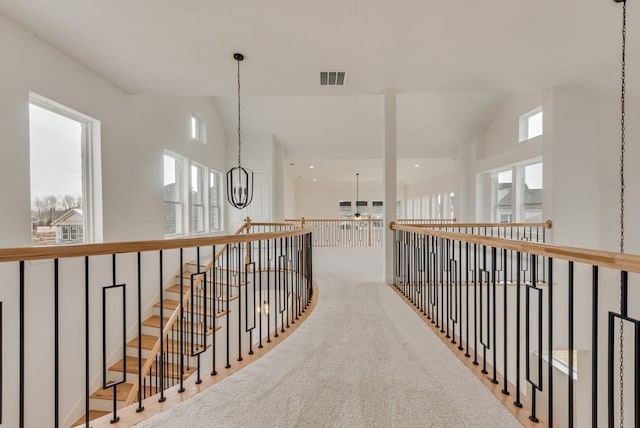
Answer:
[(437, 206), (197, 199), (173, 194), (450, 205), (65, 183), (214, 202), (503, 196), (198, 131), (533, 193)]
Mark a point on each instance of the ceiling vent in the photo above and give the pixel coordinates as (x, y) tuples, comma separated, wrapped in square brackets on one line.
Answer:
[(332, 78)]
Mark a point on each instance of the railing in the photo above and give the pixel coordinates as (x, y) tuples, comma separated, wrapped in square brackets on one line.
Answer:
[(530, 319), (123, 323), (352, 232)]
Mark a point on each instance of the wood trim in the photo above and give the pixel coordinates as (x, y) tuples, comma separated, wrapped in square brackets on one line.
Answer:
[(82, 250), (606, 259)]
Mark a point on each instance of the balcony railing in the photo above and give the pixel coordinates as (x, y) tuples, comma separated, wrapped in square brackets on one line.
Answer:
[(550, 329), (353, 232), (98, 330)]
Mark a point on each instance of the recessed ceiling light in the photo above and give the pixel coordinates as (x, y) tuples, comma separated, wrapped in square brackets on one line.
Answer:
[(311, 166), (314, 180), (416, 166)]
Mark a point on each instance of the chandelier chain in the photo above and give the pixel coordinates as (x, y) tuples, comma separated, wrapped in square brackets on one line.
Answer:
[(622, 189), (239, 139)]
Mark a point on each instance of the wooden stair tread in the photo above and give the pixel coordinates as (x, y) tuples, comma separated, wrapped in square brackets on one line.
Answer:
[(123, 391), (171, 305), (186, 289), (93, 414), (170, 368), (148, 341), (154, 322)]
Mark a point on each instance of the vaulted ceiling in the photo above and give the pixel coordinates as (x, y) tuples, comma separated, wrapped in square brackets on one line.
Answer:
[(451, 62)]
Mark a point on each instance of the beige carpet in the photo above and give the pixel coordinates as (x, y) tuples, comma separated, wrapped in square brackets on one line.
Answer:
[(362, 359)]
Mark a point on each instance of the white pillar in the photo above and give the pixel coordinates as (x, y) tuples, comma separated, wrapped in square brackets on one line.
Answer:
[(390, 166)]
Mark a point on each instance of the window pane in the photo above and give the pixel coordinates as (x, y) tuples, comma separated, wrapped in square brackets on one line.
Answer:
[(503, 196), (172, 179), (534, 125), (56, 147), (197, 178), (533, 193), (173, 195)]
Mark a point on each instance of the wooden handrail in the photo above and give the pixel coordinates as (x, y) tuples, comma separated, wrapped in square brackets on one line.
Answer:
[(82, 250), (547, 225), (606, 259)]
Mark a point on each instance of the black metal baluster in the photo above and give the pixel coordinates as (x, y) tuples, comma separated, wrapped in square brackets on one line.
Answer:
[(239, 302), (260, 300), (227, 297), (86, 341), (505, 389), (494, 351), (594, 346), (214, 309), (139, 313), (181, 327), (550, 316), (56, 346), (161, 355), (517, 403), (570, 322)]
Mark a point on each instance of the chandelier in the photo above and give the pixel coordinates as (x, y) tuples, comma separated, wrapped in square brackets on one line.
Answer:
[(239, 179)]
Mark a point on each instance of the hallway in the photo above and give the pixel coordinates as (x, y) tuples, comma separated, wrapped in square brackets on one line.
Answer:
[(362, 359)]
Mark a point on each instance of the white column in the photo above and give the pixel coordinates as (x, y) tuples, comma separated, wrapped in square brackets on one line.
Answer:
[(390, 165)]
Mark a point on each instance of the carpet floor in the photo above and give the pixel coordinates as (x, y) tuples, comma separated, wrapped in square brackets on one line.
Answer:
[(363, 358)]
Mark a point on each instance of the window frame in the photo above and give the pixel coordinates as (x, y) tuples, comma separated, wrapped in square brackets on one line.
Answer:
[(198, 128), (91, 165), (183, 203), (203, 199), (524, 130)]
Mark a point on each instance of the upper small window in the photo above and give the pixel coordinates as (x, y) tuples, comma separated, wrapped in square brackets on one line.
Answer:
[(531, 124), (198, 129)]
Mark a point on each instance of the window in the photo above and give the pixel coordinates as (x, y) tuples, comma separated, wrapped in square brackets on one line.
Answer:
[(532, 207), (173, 194), (425, 206), (198, 131), (450, 205), (437, 206), (531, 124), (362, 207), (65, 173), (516, 194), (344, 209), (197, 199), (377, 209), (503, 196), (214, 201)]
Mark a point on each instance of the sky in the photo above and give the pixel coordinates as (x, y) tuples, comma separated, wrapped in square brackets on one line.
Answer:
[(56, 153)]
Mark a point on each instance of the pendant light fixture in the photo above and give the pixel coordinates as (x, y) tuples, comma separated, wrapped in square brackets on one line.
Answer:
[(357, 214), (239, 179)]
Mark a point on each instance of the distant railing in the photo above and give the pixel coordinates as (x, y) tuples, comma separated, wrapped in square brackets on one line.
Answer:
[(352, 232), (131, 320), (551, 330)]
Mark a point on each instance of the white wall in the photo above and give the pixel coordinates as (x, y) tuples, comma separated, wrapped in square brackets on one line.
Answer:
[(320, 200), (135, 131)]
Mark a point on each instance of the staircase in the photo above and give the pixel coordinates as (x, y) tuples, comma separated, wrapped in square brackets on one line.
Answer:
[(154, 378)]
